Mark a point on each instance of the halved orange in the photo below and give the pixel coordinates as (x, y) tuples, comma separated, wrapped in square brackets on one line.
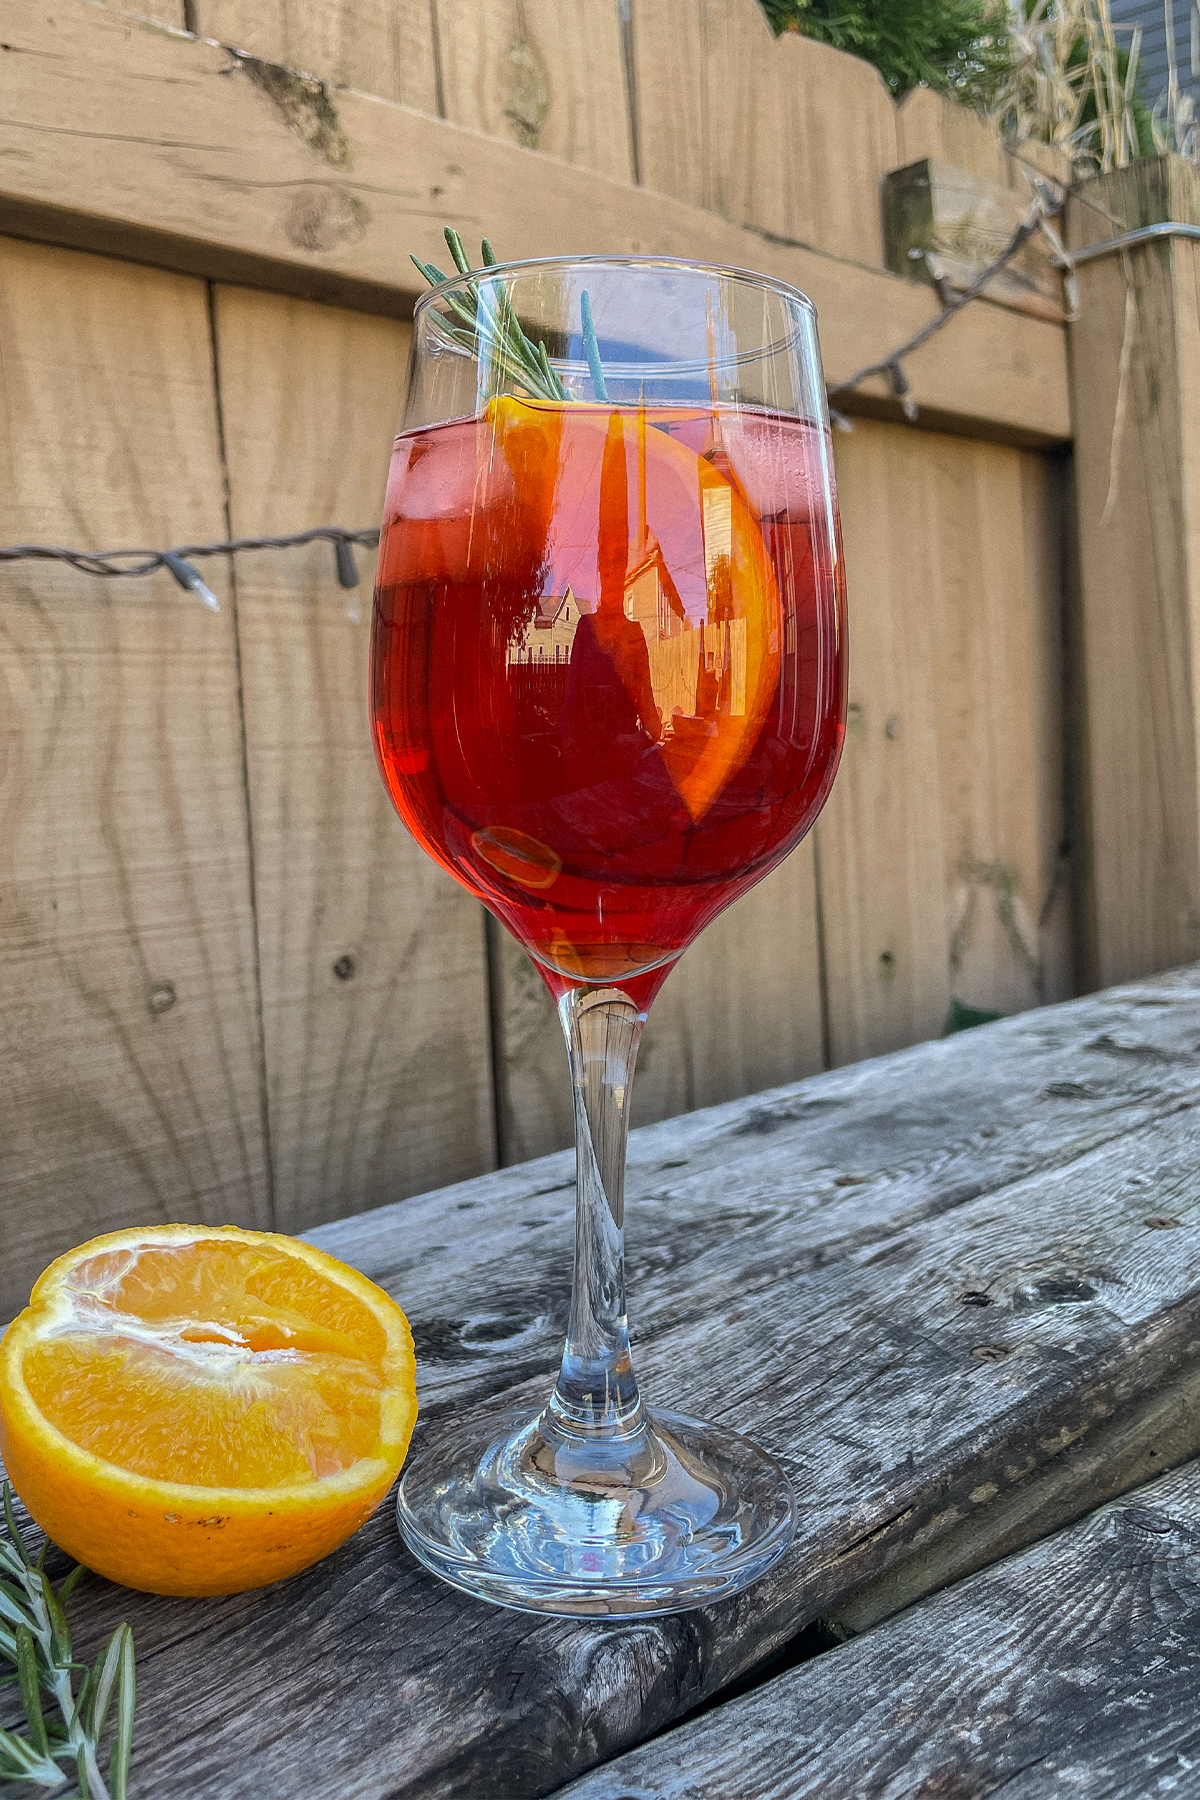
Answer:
[(195, 1409)]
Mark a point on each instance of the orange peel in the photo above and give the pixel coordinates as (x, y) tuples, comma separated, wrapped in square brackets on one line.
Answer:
[(200, 1410)]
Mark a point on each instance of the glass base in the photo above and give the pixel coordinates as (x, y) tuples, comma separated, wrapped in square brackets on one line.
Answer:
[(542, 1516)]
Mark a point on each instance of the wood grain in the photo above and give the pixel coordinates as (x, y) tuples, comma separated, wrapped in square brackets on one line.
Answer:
[(171, 13), (373, 974), (1135, 361), (383, 47), (929, 124), (939, 847), (718, 95), (742, 1011), (923, 1282), (943, 221), (547, 74), (130, 1050), (231, 173), (1070, 1668)]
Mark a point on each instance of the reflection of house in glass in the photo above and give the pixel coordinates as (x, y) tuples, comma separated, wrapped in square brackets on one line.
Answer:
[(697, 667), (538, 663), (548, 636), (696, 670)]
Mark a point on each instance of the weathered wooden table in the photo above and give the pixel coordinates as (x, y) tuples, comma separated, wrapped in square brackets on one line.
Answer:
[(957, 1292)]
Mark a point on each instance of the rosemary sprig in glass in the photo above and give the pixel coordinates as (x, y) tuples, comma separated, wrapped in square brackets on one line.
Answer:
[(35, 1639), (486, 325)]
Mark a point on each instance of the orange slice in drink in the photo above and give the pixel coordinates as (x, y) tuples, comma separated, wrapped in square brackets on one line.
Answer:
[(611, 502), (199, 1410), (514, 853)]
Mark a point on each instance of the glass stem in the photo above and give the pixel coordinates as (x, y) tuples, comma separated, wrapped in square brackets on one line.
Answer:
[(597, 1391)]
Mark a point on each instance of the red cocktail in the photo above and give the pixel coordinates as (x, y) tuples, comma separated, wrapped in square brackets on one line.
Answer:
[(609, 667), (608, 694)]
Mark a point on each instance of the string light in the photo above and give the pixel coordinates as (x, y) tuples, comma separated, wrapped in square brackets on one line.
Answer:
[(180, 560)]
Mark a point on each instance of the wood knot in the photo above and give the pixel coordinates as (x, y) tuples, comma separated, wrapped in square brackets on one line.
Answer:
[(1145, 1518), (345, 968), (324, 217), (161, 997), (527, 92), (1067, 1288)]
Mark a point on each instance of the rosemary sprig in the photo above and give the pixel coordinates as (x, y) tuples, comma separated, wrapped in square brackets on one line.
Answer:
[(485, 316), (36, 1640)]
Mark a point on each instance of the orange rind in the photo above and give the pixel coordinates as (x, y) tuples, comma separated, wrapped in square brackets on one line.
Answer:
[(200, 1410)]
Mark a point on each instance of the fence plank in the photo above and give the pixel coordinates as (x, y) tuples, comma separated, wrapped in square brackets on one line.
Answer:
[(228, 175), (841, 119), (782, 135), (374, 986), (741, 1012), (1135, 364), (130, 1055), (939, 844), (671, 96), (383, 47), (929, 124), (547, 74)]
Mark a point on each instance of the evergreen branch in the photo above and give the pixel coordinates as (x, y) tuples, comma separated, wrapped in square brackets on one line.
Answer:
[(488, 325), (36, 1639)]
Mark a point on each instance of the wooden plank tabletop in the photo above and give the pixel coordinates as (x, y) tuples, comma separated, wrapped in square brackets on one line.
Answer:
[(1070, 1668), (955, 1290)]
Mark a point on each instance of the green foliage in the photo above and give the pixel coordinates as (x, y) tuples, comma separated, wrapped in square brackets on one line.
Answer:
[(60, 1747), (958, 47), (1141, 119), (1074, 83)]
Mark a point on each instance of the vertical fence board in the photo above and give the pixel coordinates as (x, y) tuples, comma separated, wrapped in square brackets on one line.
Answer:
[(929, 124), (1044, 524), (130, 1056), (382, 47), (1135, 365), (742, 1011), (374, 985), (671, 98), (839, 127), (547, 74), (784, 135), (934, 851)]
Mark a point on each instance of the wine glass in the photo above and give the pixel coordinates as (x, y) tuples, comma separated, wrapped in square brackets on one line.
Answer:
[(608, 695)]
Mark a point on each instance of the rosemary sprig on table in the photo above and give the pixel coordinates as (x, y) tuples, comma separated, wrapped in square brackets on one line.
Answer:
[(484, 317), (35, 1639)]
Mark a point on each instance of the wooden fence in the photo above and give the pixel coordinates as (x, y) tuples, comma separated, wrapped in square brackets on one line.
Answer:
[(233, 987)]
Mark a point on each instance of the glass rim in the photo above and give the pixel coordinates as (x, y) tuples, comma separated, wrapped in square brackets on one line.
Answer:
[(631, 260)]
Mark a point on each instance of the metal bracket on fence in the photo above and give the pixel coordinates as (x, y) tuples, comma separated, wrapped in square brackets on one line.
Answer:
[(1144, 234)]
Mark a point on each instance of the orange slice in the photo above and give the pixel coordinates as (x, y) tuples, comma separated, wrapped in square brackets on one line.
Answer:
[(602, 487), (199, 1410), (515, 854)]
